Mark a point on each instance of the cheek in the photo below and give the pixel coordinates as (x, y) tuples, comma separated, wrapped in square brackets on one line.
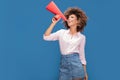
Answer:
[(75, 21)]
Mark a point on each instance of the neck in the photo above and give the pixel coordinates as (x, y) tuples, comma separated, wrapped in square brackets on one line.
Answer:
[(73, 30)]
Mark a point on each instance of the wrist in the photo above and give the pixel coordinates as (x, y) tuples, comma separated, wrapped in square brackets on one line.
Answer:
[(53, 23), (84, 66)]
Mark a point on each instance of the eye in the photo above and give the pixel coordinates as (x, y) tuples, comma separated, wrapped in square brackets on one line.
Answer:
[(72, 16)]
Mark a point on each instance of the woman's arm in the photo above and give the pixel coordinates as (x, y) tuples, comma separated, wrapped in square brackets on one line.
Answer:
[(82, 56), (50, 28), (84, 66)]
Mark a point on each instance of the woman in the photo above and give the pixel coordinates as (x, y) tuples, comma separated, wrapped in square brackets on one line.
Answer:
[(72, 43)]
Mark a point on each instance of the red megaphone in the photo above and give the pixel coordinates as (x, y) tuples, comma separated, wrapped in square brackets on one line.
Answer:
[(55, 10)]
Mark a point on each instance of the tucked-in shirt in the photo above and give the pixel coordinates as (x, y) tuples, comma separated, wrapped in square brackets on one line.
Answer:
[(69, 43)]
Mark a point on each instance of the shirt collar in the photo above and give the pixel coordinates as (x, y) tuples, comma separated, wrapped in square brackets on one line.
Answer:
[(77, 34)]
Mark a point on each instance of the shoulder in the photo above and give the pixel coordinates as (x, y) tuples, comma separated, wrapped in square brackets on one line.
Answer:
[(82, 35), (61, 30)]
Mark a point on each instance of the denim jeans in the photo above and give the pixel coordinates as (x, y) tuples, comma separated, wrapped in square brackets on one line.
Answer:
[(71, 67)]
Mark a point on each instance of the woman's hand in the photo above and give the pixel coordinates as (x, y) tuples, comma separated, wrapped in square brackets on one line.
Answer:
[(86, 77), (55, 19)]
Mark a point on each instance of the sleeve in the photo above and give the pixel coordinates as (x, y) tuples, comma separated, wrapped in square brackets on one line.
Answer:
[(82, 50), (53, 36)]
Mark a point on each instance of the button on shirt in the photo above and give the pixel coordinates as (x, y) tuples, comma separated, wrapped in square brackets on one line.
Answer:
[(69, 43)]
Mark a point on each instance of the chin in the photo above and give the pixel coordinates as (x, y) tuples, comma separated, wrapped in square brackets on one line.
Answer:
[(69, 24)]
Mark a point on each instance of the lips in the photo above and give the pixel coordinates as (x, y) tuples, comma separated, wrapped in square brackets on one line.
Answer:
[(69, 21)]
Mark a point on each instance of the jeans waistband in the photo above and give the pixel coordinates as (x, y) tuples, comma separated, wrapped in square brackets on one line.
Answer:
[(70, 55)]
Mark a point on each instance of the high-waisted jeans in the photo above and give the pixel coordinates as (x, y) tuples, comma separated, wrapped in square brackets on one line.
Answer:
[(71, 67)]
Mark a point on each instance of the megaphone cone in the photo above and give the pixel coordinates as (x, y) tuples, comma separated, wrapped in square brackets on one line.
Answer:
[(55, 10)]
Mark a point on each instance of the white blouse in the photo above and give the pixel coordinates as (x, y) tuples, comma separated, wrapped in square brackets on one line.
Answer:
[(69, 43)]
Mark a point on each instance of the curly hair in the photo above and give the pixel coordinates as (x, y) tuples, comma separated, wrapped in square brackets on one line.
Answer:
[(81, 17)]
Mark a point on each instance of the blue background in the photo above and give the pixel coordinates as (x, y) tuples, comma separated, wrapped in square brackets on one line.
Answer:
[(24, 55)]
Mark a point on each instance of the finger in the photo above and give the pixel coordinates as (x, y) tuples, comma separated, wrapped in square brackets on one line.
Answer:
[(53, 19), (57, 16), (85, 78), (56, 19)]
